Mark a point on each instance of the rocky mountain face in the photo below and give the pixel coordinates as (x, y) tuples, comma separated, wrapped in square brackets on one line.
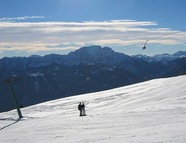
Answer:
[(88, 69)]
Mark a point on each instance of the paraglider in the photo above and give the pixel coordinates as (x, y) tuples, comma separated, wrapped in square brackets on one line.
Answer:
[(144, 47)]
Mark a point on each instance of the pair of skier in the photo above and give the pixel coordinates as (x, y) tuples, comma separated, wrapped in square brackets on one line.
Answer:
[(81, 108)]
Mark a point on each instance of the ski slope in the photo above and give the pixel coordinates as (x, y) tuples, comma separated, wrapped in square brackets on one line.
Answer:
[(148, 112)]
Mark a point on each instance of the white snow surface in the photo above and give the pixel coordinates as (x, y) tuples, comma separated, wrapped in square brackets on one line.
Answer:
[(148, 112)]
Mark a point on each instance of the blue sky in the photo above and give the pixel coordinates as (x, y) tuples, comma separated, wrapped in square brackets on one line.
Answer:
[(40, 27)]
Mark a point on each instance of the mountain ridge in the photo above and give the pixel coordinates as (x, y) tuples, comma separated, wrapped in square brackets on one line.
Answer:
[(162, 57), (85, 70)]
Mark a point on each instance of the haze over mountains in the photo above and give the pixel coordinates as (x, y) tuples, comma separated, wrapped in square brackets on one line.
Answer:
[(88, 69)]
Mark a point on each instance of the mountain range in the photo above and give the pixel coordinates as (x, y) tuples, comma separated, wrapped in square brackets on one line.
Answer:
[(88, 69), (161, 57)]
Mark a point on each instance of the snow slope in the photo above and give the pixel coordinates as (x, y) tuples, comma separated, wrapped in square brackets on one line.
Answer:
[(148, 112)]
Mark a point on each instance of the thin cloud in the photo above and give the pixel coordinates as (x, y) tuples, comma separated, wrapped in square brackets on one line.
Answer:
[(20, 18), (47, 36)]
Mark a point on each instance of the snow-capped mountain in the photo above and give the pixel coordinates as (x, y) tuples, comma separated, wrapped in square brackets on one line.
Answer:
[(162, 57), (148, 112), (86, 70)]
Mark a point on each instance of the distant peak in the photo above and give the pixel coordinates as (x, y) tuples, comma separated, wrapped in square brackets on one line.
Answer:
[(93, 50), (34, 56), (180, 53)]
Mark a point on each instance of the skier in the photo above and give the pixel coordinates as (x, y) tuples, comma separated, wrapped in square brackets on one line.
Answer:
[(80, 108), (83, 110)]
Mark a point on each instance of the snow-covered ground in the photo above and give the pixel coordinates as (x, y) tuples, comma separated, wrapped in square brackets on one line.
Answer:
[(148, 112)]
